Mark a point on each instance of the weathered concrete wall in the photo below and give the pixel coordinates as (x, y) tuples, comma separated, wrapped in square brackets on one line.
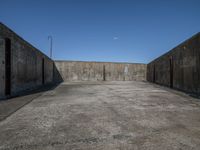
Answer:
[(26, 64), (2, 67), (99, 71), (184, 71)]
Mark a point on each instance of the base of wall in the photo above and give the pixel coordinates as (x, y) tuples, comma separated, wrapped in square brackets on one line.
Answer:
[(195, 95), (34, 90)]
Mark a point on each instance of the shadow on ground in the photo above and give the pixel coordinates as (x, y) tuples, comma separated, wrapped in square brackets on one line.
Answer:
[(14, 103)]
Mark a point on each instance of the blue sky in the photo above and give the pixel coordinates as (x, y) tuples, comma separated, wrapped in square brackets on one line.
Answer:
[(103, 30)]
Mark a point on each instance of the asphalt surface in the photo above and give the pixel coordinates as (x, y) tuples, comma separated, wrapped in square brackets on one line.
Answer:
[(104, 116)]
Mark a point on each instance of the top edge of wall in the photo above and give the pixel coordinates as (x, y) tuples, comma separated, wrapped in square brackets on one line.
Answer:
[(187, 40), (98, 62), (10, 30)]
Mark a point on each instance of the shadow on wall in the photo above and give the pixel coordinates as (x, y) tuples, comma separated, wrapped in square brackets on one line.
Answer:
[(57, 78)]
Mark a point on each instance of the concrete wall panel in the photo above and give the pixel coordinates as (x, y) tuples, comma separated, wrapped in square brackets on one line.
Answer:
[(97, 71), (48, 71), (186, 67), (2, 67)]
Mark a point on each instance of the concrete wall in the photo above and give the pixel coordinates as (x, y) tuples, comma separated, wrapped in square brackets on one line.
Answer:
[(26, 64), (98, 71), (185, 68), (2, 67)]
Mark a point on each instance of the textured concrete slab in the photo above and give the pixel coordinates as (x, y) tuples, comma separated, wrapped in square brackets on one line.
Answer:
[(105, 116)]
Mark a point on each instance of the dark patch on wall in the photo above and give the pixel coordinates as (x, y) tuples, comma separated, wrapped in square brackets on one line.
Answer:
[(7, 66)]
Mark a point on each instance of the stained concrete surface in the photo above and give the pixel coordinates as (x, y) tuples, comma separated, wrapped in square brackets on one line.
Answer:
[(101, 71), (105, 116)]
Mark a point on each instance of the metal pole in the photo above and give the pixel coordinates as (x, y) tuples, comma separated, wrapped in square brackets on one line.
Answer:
[(51, 45)]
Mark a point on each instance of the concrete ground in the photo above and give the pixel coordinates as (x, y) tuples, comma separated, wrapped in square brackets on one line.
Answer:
[(105, 116)]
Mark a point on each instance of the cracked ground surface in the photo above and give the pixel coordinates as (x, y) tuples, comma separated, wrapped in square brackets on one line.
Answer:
[(105, 116)]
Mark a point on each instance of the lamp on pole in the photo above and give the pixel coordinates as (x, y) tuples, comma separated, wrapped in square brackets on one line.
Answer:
[(51, 44)]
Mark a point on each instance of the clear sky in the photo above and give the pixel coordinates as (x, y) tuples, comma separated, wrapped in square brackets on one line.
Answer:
[(103, 30)]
